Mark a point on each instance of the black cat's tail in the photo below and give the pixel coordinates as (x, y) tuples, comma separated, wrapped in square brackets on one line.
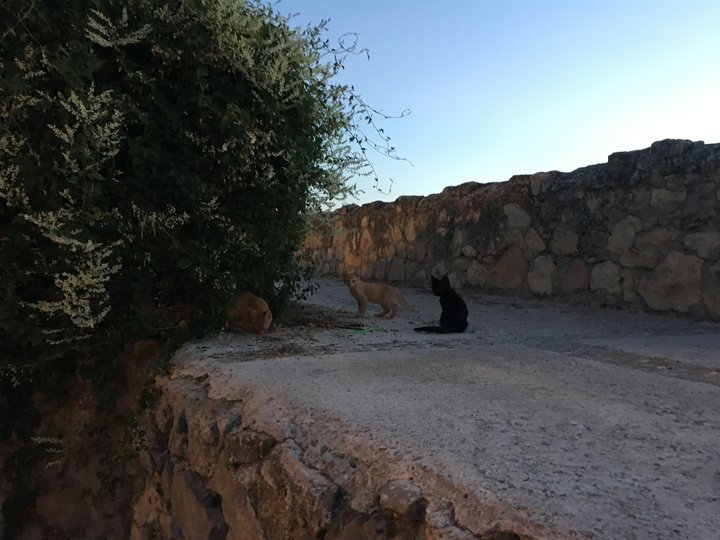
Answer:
[(439, 330)]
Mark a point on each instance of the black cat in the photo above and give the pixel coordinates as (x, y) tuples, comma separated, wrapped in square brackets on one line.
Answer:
[(454, 311)]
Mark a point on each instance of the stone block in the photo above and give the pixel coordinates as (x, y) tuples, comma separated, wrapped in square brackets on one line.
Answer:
[(540, 181), (246, 446), (605, 278), (711, 290), (629, 281), (645, 259), (397, 270), (196, 510), (704, 244), (533, 242), (509, 271), (469, 251), (575, 278), (516, 216), (404, 499), (675, 284), (513, 237), (367, 244), (622, 235), (379, 269), (461, 264), (665, 200), (410, 231), (540, 278), (477, 274), (564, 242), (656, 240)]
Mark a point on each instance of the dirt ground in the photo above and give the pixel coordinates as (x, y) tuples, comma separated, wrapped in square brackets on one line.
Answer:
[(599, 422)]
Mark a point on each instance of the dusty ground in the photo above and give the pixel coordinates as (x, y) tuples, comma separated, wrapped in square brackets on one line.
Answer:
[(603, 423)]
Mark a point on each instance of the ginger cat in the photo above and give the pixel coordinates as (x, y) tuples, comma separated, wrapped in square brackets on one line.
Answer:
[(377, 293), (248, 313)]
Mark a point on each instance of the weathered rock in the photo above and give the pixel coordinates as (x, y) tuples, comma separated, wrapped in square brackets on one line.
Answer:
[(516, 216), (711, 289), (645, 259), (657, 240), (404, 499), (540, 181), (605, 277), (397, 270), (477, 274), (622, 235), (575, 278), (509, 271), (674, 284), (540, 278), (534, 242), (197, 510), (564, 242), (705, 244), (461, 264), (665, 200), (469, 251)]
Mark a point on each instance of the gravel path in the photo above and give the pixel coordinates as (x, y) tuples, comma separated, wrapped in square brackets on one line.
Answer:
[(602, 423)]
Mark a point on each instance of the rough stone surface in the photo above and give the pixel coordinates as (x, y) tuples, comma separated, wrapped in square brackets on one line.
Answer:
[(575, 279), (630, 212), (675, 284), (564, 242), (705, 244), (516, 216), (542, 421), (404, 499), (711, 289), (622, 234), (540, 278), (605, 278), (509, 272), (195, 508)]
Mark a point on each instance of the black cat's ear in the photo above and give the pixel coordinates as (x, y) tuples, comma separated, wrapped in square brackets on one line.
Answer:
[(445, 279)]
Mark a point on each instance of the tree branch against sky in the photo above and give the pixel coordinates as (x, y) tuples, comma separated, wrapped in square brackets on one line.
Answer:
[(519, 86)]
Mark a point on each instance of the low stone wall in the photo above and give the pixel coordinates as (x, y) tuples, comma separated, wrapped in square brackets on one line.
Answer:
[(640, 231), (217, 468)]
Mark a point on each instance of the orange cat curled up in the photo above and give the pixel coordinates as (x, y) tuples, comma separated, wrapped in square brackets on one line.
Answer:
[(248, 313)]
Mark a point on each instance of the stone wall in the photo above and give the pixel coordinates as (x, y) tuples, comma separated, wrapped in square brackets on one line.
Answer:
[(244, 468), (640, 231)]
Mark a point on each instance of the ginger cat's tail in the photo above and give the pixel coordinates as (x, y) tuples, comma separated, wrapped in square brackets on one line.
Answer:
[(403, 302)]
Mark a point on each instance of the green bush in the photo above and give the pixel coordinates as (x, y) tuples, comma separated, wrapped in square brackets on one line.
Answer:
[(155, 154)]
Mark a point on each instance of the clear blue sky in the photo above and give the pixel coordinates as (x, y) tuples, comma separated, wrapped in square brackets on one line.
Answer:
[(503, 87)]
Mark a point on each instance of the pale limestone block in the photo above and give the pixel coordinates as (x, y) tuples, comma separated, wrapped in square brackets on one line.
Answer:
[(477, 274), (675, 284), (664, 199), (564, 242), (541, 276), (622, 235), (516, 216), (534, 242), (509, 271)]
